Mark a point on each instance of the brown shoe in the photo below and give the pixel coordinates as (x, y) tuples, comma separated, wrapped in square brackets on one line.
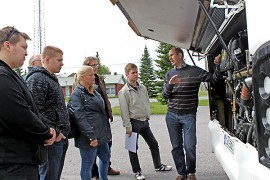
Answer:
[(191, 176), (113, 172), (180, 177)]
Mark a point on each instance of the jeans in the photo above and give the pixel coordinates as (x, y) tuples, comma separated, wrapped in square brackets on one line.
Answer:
[(183, 128), (95, 166), (52, 169), (18, 172), (88, 156), (142, 128)]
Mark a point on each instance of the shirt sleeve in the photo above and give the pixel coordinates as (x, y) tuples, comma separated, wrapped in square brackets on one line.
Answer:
[(124, 108), (17, 116), (39, 89), (167, 88), (206, 76)]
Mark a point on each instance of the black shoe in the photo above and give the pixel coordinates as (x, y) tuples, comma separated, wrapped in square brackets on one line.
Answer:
[(113, 172)]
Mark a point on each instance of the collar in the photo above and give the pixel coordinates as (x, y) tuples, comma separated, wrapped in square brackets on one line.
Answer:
[(85, 90), (180, 67), (132, 87)]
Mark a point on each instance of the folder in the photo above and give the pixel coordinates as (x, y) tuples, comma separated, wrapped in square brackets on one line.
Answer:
[(131, 142)]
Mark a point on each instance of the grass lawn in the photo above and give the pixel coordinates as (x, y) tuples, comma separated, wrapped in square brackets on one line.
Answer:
[(157, 108)]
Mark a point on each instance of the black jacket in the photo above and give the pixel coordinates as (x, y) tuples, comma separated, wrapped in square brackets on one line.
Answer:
[(91, 117), (22, 132), (49, 98)]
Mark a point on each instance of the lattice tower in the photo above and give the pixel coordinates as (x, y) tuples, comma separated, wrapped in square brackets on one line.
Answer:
[(39, 27)]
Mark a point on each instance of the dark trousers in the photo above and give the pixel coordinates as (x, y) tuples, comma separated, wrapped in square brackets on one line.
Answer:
[(95, 167), (18, 172), (182, 132), (52, 169), (143, 129)]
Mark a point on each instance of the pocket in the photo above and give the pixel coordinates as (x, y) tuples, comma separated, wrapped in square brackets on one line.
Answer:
[(19, 172), (40, 156), (137, 125), (14, 168)]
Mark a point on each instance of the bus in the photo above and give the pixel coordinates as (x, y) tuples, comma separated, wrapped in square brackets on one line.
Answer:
[(239, 106)]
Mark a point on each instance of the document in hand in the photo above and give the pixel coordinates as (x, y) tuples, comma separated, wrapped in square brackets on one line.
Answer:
[(131, 142)]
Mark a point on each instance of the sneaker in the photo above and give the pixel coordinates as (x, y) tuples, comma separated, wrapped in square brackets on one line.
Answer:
[(191, 176), (164, 167), (139, 176), (180, 177)]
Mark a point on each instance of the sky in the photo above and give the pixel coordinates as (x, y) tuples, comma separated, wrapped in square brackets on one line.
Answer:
[(81, 28)]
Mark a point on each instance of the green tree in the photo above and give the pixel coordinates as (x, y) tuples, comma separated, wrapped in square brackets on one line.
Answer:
[(19, 71), (163, 66), (98, 60), (102, 69), (147, 75)]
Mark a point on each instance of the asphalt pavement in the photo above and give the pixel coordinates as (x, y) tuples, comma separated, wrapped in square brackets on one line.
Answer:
[(208, 168)]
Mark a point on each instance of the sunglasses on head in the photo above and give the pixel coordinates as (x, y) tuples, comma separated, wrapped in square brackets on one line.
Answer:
[(11, 33)]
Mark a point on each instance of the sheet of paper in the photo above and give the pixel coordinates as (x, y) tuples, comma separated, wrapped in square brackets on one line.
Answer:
[(131, 142)]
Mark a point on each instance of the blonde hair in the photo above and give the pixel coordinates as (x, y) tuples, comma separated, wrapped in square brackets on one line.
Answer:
[(129, 67), (80, 72), (50, 51)]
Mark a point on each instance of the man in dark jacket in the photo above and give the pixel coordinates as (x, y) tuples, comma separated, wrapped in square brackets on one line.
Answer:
[(50, 101), (34, 61), (24, 136)]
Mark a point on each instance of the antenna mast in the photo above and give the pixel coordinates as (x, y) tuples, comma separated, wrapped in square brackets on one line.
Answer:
[(39, 27)]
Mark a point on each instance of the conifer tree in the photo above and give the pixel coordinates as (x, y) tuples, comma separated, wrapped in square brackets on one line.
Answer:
[(98, 60), (163, 66), (102, 69), (146, 75), (19, 71)]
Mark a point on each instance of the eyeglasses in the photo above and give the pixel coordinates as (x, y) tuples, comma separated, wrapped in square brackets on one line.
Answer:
[(36, 60), (93, 65), (12, 32)]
